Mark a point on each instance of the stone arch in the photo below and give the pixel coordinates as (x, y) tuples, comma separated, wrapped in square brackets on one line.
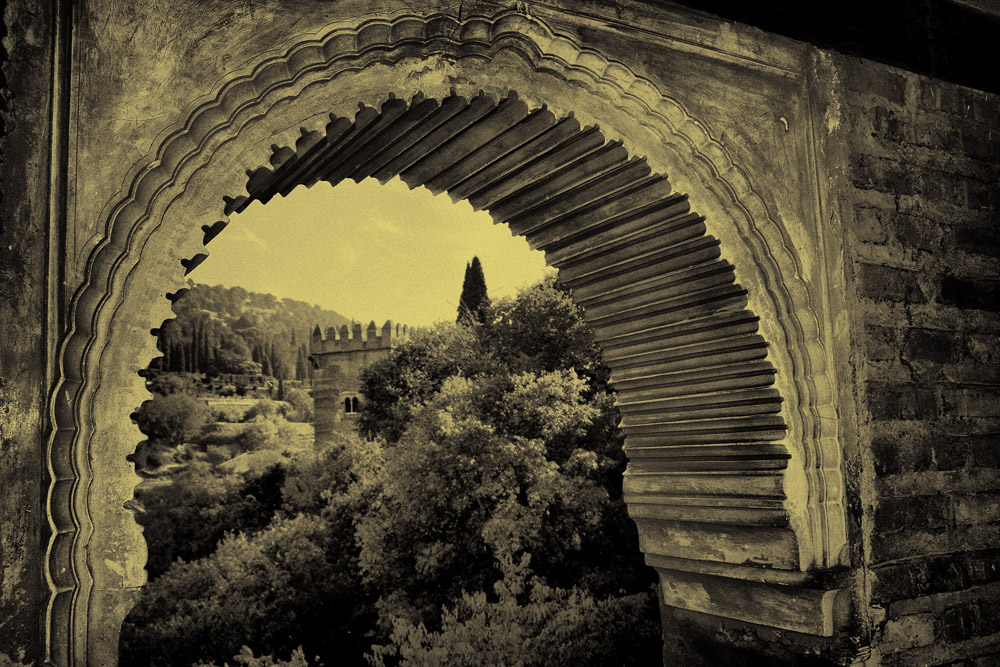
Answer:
[(94, 554)]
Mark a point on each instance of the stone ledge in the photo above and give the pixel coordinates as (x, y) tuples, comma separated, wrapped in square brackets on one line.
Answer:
[(814, 608)]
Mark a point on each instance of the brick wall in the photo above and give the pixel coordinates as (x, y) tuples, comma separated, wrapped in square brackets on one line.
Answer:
[(922, 211)]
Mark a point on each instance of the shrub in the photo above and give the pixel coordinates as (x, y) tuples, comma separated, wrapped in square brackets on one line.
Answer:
[(301, 405), (246, 658), (265, 407), (174, 419), (216, 454), (167, 384), (528, 623)]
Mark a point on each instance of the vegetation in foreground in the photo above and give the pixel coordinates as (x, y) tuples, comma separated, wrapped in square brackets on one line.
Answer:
[(476, 519)]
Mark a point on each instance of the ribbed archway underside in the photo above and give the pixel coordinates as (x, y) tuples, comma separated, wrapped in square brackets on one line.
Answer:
[(701, 418)]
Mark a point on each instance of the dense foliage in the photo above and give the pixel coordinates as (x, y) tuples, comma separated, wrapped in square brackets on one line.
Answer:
[(500, 438), (175, 419), (230, 330), (187, 519), (528, 623), (485, 449), (288, 581)]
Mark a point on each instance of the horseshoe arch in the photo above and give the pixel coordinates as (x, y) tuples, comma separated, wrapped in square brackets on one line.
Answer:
[(665, 304)]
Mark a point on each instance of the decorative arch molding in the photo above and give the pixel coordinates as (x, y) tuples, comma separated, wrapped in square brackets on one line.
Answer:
[(81, 597)]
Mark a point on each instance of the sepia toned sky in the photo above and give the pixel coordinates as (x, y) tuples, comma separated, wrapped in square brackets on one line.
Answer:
[(368, 251)]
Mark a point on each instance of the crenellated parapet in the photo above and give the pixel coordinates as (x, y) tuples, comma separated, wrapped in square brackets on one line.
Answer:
[(338, 358), (356, 338)]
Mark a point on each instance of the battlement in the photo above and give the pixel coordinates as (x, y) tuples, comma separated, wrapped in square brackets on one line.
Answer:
[(356, 337)]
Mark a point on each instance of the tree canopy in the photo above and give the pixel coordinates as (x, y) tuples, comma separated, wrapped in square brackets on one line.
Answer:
[(528, 623), (286, 582), (485, 466), (175, 419), (498, 437)]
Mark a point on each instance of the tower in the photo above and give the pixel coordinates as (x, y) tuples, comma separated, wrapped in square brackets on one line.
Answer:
[(338, 358)]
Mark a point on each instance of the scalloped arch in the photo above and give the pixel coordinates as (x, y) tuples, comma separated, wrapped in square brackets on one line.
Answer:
[(799, 349)]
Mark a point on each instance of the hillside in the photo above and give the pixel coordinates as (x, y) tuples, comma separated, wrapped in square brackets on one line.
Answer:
[(221, 329)]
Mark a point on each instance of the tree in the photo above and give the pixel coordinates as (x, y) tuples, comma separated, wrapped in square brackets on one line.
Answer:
[(542, 328), (246, 658), (248, 592), (255, 330), (486, 465), (189, 517), (301, 362), (412, 372), (485, 444), (302, 405), (529, 387), (292, 583), (529, 623), (473, 302), (231, 354), (173, 419)]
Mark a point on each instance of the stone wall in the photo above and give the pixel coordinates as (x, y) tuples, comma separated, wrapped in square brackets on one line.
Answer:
[(24, 152), (920, 203)]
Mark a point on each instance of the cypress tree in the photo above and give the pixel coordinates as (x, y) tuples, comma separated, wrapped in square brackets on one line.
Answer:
[(205, 349), (300, 363), (192, 348), (265, 361), (474, 301), (167, 349)]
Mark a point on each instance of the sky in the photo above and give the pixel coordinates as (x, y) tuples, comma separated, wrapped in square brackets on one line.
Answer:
[(368, 251)]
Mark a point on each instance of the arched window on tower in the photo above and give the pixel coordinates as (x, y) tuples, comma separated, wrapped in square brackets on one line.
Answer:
[(347, 405), (354, 404)]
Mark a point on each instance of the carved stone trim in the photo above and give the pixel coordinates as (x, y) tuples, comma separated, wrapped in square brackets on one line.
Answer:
[(817, 512)]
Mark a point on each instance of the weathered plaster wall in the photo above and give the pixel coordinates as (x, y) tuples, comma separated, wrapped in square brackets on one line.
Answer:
[(24, 146), (921, 194), (143, 67)]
